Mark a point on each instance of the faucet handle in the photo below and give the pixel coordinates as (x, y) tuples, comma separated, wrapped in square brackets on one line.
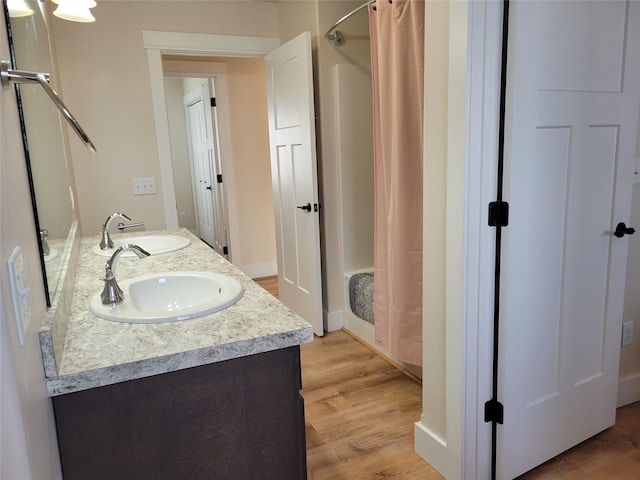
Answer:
[(122, 225)]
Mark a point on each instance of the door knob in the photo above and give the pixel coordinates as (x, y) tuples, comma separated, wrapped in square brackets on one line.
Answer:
[(208, 188), (622, 230), (306, 207)]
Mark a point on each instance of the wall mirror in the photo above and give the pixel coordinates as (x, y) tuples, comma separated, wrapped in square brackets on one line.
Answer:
[(43, 142)]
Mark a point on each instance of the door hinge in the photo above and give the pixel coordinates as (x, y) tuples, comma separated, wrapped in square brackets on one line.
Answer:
[(219, 178), (493, 412), (498, 214), (316, 207), (225, 250), (213, 102)]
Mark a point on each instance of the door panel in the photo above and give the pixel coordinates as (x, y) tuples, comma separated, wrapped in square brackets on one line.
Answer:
[(206, 156), (200, 150), (294, 177), (220, 219), (569, 147), (588, 56)]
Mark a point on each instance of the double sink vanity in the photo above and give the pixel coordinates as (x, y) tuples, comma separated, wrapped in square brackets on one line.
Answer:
[(196, 374)]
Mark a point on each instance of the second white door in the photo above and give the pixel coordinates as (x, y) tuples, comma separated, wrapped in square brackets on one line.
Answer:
[(206, 167), (294, 178)]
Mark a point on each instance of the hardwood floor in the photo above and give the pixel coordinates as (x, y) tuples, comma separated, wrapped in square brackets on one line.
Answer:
[(360, 412), (612, 454), (270, 284)]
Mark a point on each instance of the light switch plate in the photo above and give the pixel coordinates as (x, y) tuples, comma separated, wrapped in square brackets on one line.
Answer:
[(144, 186), (19, 292)]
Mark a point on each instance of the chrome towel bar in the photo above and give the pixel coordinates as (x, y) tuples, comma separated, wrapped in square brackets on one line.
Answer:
[(9, 76)]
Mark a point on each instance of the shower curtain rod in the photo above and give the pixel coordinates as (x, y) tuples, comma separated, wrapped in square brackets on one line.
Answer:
[(334, 35)]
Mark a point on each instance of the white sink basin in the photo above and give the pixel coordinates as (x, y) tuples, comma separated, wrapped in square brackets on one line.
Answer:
[(154, 244), (168, 297)]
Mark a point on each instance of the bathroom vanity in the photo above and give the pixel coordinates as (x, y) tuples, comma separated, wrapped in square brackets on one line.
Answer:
[(216, 396)]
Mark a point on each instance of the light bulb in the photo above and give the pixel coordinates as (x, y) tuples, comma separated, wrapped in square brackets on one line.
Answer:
[(75, 10), (18, 8)]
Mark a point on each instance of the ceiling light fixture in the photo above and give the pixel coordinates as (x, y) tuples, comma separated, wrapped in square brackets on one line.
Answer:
[(75, 10), (18, 8)]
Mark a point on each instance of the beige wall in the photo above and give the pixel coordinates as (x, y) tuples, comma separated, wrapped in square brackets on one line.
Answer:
[(105, 81), (295, 17), (246, 84)]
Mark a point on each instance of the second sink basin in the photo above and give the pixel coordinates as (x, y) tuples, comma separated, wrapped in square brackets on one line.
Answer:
[(169, 297), (154, 244)]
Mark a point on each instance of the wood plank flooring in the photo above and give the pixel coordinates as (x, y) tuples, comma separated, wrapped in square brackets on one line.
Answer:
[(270, 284), (613, 454), (360, 412)]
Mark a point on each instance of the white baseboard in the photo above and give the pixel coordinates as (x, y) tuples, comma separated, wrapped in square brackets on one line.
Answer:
[(333, 321), (431, 448), (628, 390), (259, 270)]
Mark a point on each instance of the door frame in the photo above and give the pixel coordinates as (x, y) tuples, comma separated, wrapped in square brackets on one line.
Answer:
[(157, 43), (451, 434), (484, 65), (460, 445)]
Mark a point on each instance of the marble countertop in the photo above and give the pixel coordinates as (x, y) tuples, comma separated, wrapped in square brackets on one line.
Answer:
[(100, 352)]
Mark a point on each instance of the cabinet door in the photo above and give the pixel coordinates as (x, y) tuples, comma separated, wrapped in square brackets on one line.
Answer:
[(240, 418)]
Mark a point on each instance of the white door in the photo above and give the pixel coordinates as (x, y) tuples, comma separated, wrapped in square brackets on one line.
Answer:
[(294, 177), (571, 129), (215, 157), (206, 165)]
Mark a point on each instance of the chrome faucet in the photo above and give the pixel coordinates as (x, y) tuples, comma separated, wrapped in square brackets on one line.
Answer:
[(112, 293), (44, 236), (106, 242)]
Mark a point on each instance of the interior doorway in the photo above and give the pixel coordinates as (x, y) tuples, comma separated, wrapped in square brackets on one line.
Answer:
[(196, 152), (238, 154), (288, 242)]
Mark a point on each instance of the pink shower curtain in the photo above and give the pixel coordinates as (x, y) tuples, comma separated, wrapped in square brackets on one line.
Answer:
[(397, 53)]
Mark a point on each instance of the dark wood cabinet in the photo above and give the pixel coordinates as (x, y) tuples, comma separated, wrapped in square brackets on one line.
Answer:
[(237, 419)]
